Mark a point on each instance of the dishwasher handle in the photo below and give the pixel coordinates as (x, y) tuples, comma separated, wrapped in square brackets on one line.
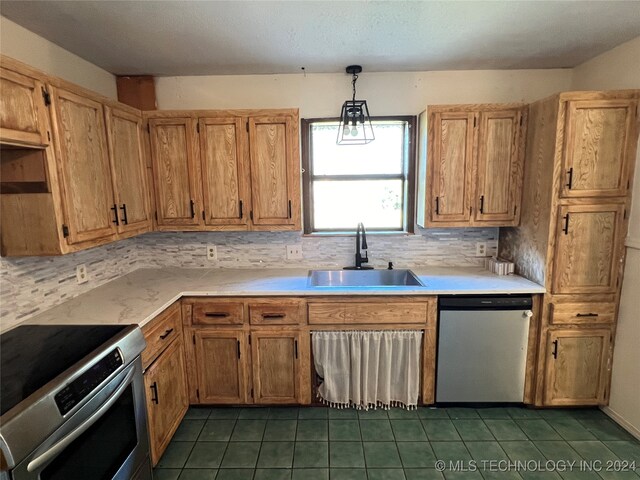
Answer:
[(486, 302)]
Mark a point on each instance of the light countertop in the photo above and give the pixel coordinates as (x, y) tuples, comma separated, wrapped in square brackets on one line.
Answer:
[(141, 295)]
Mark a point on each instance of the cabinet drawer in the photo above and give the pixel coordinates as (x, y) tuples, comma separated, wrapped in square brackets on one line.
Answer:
[(218, 313), (362, 313), (281, 312), (584, 312), (160, 332)]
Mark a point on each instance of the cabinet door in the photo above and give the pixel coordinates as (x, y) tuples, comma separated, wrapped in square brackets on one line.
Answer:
[(276, 366), (274, 171), (167, 401), (577, 366), (499, 170), (598, 144), (449, 183), (220, 357), (174, 152), (225, 175), (129, 170), (84, 166), (588, 248), (23, 114)]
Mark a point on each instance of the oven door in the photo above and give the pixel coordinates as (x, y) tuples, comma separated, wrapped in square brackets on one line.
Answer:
[(106, 439)]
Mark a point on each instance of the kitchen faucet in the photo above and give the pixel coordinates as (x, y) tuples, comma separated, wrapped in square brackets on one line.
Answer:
[(360, 259)]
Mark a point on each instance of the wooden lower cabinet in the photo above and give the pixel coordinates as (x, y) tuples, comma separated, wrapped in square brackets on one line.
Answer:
[(577, 366), (167, 400), (278, 372), (220, 366)]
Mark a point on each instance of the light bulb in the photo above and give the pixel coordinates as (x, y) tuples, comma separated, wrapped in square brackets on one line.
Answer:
[(354, 131), (347, 130)]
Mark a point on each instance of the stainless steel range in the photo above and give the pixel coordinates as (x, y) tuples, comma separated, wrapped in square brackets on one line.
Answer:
[(72, 403)]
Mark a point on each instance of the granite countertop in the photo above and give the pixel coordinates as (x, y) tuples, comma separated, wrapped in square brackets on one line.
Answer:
[(141, 295)]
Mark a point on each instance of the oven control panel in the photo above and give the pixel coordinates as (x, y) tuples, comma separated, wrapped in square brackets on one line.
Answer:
[(73, 393)]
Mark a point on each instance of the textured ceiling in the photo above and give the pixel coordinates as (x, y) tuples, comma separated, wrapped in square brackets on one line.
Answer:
[(258, 37)]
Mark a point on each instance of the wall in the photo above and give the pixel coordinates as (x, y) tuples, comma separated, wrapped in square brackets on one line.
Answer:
[(19, 43), (619, 69), (322, 95)]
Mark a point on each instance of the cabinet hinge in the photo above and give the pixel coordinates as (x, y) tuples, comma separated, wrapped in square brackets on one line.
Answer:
[(65, 231), (46, 97)]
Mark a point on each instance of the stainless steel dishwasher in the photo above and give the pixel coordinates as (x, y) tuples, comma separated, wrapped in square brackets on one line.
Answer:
[(482, 348)]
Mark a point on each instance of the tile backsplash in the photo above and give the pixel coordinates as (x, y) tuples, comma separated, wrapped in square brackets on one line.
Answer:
[(33, 284)]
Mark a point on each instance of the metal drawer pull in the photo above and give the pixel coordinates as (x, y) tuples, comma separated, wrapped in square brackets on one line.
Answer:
[(55, 450), (154, 390), (166, 334), (124, 214), (268, 316), (555, 349), (216, 314), (570, 182), (586, 314), (114, 209), (566, 224)]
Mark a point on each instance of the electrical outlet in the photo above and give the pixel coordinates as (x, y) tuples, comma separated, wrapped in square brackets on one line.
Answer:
[(212, 253), (481, 249), (294, 252), (81, 274)]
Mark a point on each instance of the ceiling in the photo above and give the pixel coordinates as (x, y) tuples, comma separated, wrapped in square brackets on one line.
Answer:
[(260, 37)]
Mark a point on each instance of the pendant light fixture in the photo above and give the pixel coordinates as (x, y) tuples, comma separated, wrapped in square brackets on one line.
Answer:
[(355, 122)]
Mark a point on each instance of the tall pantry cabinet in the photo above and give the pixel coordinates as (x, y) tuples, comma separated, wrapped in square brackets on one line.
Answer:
[(581, 148)]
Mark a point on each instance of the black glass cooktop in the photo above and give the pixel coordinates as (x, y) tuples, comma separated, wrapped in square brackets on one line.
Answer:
[(33, 355)]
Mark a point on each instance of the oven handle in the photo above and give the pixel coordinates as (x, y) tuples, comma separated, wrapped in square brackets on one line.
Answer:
[(57, 448)]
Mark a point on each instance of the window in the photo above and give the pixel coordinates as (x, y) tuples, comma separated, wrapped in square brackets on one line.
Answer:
[(348, 184)]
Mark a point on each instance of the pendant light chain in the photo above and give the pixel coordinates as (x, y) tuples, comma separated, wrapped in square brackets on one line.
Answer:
[(353, 82)]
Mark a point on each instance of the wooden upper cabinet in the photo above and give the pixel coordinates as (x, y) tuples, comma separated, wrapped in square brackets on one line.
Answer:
[(599, 141), (577, 366), (220, 358), (588, 248), (275, 171), (167, 399), (276, 366), (23, 113), (84, 167), (174, 151), (129, 171), (499, 166), (225, 173), (450, 161)]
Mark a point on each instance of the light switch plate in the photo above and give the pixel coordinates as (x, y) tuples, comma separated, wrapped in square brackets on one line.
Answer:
[(212, 253), (294, 252), (481, 249), (81, 274)]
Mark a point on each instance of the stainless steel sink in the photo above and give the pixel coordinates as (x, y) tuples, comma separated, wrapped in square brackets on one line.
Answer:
[(363, 278)]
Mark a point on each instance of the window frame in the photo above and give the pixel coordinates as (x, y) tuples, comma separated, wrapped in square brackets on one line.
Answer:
[(408, 177)]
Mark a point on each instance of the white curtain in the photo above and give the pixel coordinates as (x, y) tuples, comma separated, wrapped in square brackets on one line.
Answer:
[(368, 369)]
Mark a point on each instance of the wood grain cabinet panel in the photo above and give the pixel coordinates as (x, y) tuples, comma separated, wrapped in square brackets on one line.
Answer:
[(274, 171), (174, 153), (160, 332), (598, 137), (23, 114), (225, 174), (499, 166), (220, 358), (129, 171), (588, 249), (577, 366), (83, 160), (167, 400), (276, 366), (450, 167)]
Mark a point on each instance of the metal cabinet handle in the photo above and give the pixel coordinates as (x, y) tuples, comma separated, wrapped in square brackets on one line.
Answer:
[(586, 314), (554, 352), (570, 182), (55, 450), (437, 205), (240, 205), (166, 334), (295, 347), (289, 208), (268, 316), (481, 203), (193, 208), (566, 224), (114, 209), (154, 391), (238, 348), (124, 214), (216, 314)]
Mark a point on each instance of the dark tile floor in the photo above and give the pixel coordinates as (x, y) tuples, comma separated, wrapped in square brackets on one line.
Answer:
[(320, 443)]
